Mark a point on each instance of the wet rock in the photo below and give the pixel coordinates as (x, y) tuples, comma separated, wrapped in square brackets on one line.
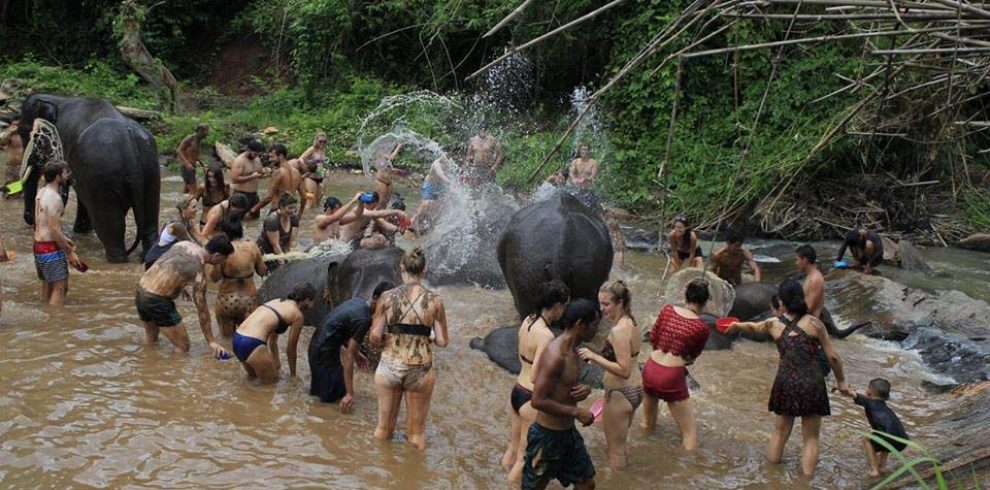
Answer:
[(953, 355), (640, 239), (976, 241), (909, 257)]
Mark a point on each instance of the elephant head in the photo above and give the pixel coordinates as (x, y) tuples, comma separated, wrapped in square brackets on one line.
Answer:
[(36, 106)]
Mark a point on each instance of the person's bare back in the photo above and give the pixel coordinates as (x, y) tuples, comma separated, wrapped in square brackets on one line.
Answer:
[(181, 266)]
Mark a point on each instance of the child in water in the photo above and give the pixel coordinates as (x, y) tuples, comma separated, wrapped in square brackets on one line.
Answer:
[(882, 420)]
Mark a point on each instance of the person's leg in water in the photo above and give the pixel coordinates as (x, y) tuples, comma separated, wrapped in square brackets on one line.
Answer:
[(150, 333), (261, 364), (527, 416), (389, 400), (418, 399), (511, 451), (681, 411), (178, 336), (651, 409), (616, 420), (782, 426), (872, 457), (810, 427)]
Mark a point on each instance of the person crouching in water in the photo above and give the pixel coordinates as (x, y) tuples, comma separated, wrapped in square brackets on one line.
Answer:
[(264, 325), (678, 338), (622, 381), (534, 336), (684, 248), (236, 295), (166, 279), (344, 329), (413, 315), (555, 448)]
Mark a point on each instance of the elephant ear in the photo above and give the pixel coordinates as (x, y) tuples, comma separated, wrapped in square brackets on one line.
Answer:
[(47, 111), (332, 273)]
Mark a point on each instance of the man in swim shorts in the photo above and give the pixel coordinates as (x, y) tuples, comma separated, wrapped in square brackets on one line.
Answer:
[(170, 275), (345, 327), (52, 250), (555, 448), (245, 172), (188, 154)]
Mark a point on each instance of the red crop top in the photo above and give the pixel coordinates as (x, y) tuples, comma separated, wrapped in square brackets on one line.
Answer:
[(674, 334)]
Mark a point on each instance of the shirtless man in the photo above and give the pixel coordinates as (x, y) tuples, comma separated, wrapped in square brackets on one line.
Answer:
[(285, 180), (383, 177), (555, 448), (484, 157), (158, 287), (355, 222), (584, 169), (53, 252), (805, 259), (234, 208), (188, 153), (236, 293), (334, 215), (245, 172), (727, 263), (13, 149)]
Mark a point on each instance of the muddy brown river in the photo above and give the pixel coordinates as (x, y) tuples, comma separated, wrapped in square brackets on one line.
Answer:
[(84, 404)]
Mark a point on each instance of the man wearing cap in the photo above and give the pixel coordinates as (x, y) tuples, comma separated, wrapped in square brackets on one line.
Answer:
[(334, 215), (245, 172)]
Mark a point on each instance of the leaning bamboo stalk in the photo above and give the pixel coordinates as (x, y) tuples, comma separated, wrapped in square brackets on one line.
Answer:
[(884, 52), (508, 18), (965, 7), (965, 40), (863, 3), (878, 16), (548, 35)]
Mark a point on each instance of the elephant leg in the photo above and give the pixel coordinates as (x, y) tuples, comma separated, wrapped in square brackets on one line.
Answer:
[(82, 223), (110, 229)]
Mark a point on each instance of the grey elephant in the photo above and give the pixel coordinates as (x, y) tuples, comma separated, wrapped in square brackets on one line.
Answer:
[(114, 164), (558, 238), (339, 277)]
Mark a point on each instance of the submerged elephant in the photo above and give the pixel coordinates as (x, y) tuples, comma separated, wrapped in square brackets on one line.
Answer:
[(339, 277), (558, 238), (114, 164)]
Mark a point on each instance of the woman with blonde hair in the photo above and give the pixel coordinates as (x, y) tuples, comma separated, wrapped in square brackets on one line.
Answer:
[(622, 381), (409, 320)]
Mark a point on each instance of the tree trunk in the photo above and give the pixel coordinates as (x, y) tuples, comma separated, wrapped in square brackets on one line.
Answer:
[(136, 55)]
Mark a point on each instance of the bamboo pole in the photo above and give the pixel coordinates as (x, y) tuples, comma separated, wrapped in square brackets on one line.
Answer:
[(516, 49), (508, 18), (884, 52), (964, 7)]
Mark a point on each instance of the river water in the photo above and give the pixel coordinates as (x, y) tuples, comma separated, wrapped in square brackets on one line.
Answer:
[(84, 404)]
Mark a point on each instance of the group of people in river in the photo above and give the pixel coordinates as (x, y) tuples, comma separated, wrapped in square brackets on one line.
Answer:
[(400, 324)]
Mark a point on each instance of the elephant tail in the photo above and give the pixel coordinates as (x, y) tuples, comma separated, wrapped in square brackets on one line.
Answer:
[(137, 240)]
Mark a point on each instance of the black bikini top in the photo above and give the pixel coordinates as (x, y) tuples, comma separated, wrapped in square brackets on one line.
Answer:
[(608, 352), (282, 324)]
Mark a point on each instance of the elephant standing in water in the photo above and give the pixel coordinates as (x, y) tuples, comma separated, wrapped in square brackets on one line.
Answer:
[(114, 164), (558, 238)]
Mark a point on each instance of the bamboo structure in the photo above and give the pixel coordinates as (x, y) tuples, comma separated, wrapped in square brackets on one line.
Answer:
[(924, 80)]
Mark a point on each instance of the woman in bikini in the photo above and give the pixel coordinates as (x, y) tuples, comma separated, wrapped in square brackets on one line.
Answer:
[(214, 190), (408, 319), (622, 381), (313, 170), (678, 337), (236, 295), (264, 325), (684, 249), (184, 228), (534, 336)]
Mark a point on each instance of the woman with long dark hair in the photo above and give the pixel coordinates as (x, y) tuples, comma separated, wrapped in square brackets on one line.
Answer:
[(214, 190), (799, 388), (684, 249)]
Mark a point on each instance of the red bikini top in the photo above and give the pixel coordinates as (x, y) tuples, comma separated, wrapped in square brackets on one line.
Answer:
[(674, 334)]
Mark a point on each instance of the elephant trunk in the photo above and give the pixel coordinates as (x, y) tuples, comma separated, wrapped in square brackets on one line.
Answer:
[(843, 333)]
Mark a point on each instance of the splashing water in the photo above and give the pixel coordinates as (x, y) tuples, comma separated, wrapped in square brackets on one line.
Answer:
[(508, 86)]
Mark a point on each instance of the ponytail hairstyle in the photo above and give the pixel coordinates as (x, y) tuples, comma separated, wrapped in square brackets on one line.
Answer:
[(414, 261), (551, 293), (302, 292), (580, 309), (791, 295), (620, 292)]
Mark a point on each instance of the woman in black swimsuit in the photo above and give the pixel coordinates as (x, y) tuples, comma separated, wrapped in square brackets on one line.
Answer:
[(534, 336), (264, 325), (215, 190), (623, 382), (684, 249)]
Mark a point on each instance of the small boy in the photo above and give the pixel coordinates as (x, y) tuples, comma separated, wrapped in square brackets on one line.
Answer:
[(883, 420)]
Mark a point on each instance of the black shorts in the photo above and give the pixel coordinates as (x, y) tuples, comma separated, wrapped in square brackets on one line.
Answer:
[(252, 197), (684, 255), (327, 381), (561, 455), (188, 175), (157, 309)]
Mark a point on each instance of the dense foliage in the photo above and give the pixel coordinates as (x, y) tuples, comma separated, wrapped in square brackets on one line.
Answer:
[(330, 61)]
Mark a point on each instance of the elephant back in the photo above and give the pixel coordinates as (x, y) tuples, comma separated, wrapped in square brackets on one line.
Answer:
[(558, 238), (721, 294), (752, 300), (281, 282), (362, 270)]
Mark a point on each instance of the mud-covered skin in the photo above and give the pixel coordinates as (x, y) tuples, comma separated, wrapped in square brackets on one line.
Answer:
[(114, 163)]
